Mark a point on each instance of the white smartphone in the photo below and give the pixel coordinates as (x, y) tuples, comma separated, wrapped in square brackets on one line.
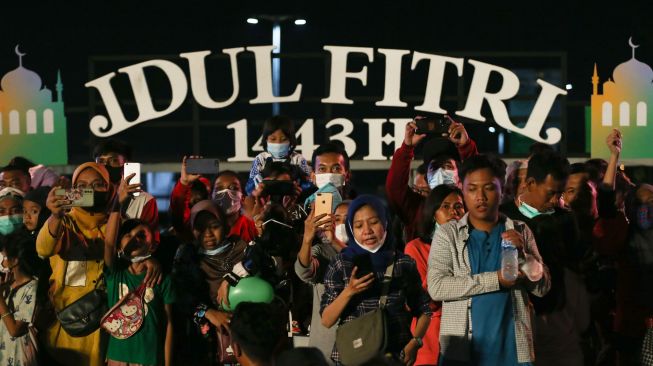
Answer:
[(131, 168)]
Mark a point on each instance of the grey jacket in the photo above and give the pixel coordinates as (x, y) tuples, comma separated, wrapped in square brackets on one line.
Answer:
[(450, 281)]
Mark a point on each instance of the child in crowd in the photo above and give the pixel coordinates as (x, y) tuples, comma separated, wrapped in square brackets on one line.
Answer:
[(152, 343), (20, 264), (279, 142), (35, 212)]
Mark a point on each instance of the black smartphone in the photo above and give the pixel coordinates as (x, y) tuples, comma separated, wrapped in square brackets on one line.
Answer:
[(278, 187), (364, 264), (435, 125), (202, 166)]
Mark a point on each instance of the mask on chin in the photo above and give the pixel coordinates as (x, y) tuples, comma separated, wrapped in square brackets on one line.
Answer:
[(531, 212)]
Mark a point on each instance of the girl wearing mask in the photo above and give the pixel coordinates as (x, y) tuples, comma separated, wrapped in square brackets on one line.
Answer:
[(11, 210), (35, 212), (74, 243), (17, 303), (349, 295), (279, 143), (198, 272), (443, 204), (152, 342)]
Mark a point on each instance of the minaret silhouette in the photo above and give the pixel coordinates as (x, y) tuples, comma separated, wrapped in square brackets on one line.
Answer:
[(595, 82), (59, 87)]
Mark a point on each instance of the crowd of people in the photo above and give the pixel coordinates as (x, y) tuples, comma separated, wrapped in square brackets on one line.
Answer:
[(245, 264)]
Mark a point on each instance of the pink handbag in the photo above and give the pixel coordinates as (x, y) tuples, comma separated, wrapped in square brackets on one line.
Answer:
[(125, 318)]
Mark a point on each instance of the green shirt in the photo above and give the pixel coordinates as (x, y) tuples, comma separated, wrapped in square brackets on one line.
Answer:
[(147, 345)]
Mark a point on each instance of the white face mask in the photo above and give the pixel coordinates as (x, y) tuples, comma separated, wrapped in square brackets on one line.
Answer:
[(341, 233), (136, 259), (443, 176), (376, 246), (229, 200), (216, 251), (322, 179)]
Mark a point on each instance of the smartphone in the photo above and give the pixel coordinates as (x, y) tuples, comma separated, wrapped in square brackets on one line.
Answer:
[(364, 264), (129, 169), (323, 203), (202, 166), (78, 197), (437, 125), (278, 187)]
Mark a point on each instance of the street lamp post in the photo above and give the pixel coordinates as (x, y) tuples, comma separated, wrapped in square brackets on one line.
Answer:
[(276, 21)]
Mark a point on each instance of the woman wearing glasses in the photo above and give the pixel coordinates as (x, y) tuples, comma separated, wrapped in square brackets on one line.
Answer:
[(73, 240)]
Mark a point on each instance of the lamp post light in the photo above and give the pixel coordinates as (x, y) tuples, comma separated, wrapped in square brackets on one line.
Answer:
[(276, 21)]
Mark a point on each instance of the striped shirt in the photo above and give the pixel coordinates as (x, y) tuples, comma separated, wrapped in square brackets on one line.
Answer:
[(405, 292), (450, 281)]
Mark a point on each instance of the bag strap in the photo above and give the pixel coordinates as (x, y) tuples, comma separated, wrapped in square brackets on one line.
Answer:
[(387, 279)]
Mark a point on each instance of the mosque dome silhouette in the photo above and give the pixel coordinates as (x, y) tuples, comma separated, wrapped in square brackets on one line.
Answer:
[(21, 82), (633, 72)]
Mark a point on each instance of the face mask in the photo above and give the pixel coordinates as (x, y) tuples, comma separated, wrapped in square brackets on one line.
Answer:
[(99, 202), (279, 151), (531, 212), (322, 179), (136, 259), (376, 247), (442, 176), (216, 251), (115, 174), (341, 233), (9, 224), (644, 219), (229, 200)]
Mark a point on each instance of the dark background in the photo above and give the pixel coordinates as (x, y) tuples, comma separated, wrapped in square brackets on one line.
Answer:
[(104, 36)]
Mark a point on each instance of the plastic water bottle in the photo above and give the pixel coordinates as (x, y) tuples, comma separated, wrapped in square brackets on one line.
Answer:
[(509, 261)]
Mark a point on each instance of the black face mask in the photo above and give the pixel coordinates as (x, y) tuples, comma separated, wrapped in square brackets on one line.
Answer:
[(115, 174), (99, 202)]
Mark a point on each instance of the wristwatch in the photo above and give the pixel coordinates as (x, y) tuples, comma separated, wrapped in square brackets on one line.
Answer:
[(419, 341)]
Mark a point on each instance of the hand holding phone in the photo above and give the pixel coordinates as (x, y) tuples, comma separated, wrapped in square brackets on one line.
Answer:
[(437, 125), (323, 203), (76, 196), (363, 263), (202, 166), (129, 169)]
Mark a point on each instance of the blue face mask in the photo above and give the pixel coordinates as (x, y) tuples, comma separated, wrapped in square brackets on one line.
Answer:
[(531, 212), (9, 224), (279, 151)]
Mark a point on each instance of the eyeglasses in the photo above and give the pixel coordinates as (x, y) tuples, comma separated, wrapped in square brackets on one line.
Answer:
[(96, 186), (115, 161)]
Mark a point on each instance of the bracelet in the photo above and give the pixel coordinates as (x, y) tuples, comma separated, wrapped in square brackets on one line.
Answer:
[(5, 315)]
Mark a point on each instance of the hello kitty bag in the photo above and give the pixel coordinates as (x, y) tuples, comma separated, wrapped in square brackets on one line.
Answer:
[(125, 318)]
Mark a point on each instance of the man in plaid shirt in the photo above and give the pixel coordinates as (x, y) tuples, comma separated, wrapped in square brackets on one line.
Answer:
[(486, 319)]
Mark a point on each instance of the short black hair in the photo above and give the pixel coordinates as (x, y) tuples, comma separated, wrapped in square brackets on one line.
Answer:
[(20, 168), (199, 188), (596, 169), (330, 147), (112, 146), (577, 168), (282, 123), (258, 329), (544, 164), (539, 147), (21, 161), (274, 169), (432, 204), (22, 246), (483, 161)]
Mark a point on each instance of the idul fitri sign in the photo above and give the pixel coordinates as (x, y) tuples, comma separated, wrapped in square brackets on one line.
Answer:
[(115, 121)]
